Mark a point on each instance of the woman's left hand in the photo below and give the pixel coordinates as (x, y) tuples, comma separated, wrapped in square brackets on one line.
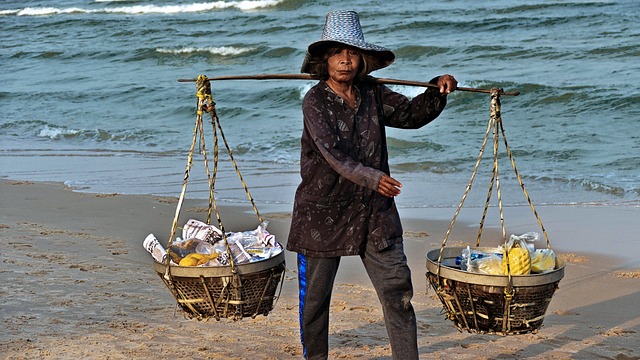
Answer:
[(389, 186), (447, 84)]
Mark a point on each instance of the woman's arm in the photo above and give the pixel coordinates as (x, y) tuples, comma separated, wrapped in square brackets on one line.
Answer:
[(400, 112)]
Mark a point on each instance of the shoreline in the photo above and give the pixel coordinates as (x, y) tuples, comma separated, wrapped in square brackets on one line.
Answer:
[(79, 284)]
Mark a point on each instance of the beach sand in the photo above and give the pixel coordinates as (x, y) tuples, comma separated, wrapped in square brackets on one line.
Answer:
[(77, 283)]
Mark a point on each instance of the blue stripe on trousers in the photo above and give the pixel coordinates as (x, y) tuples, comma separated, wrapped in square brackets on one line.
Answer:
[(302, 284)]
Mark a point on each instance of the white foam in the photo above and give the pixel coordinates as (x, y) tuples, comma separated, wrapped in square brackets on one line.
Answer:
[(55, 133), (216, 50), (148, 9), (408, 91), (304, 89), (29, 11)]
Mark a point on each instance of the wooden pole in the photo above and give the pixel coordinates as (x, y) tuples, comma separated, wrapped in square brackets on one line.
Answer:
[(377, 80)]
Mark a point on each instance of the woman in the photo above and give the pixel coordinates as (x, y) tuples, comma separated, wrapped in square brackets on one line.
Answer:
[(345, 202)]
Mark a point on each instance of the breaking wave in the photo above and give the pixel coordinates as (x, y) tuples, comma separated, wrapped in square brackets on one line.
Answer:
[(147, 9)]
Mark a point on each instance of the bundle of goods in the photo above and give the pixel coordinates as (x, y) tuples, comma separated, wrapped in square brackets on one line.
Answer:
[(204, 245), (523, 258)]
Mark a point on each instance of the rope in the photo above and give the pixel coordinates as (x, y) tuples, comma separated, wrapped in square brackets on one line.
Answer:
[(235, 165), (495, 127), (513, 164), (464, 197)]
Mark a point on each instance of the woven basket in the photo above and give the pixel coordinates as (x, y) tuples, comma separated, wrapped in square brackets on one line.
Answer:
[(215, 291), (477, 303)]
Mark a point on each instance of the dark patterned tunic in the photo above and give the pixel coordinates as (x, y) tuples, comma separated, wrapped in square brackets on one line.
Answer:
[(344, 154)]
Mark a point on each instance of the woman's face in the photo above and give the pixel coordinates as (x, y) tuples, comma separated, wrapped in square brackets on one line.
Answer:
[(343, 64)]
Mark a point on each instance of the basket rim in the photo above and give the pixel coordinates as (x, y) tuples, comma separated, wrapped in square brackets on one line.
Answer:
[(220, 271), (489, 280)]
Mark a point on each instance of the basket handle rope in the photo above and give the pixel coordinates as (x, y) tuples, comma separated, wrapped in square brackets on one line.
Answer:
[(205, 103)]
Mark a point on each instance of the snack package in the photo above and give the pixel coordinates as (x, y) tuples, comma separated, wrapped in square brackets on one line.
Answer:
[(197, 259), (516, 253), (202, 231), (254, 245), (153, 246), (179, 249), (490, 265), (543, 260)]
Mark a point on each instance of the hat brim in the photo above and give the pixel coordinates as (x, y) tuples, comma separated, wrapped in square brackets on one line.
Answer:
[(383, 56)]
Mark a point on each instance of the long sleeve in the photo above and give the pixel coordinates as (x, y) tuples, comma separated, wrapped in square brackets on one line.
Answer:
[(400, 112)]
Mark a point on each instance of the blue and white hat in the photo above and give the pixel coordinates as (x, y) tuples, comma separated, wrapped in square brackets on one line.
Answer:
[(343, 27)]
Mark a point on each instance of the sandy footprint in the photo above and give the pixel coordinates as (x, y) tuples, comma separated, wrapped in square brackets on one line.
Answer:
[(417, 234), (565, 312), (573, 258), (631, 274)]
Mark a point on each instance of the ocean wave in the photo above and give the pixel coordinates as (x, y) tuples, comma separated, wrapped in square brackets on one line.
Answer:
[(215, 50), (415, 52), (611, 186), (434, 167), (400, 145), (53, 132), (146, 9), (554, 7), (43, 130)]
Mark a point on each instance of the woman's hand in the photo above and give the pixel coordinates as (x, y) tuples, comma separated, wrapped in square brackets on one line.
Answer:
[(447, 83), (389, 186)]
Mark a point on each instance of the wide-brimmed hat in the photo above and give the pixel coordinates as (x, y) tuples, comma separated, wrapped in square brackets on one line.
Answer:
[(343, 27)]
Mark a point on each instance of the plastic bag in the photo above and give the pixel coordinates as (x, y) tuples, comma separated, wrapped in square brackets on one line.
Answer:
[(490, 265), (466, 256), (197, 259), (516, 252), (543, 260), (254, 245), (179, 249), (529, 239)]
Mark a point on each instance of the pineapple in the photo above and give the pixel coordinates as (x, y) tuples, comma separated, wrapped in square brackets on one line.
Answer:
[(519, 261)]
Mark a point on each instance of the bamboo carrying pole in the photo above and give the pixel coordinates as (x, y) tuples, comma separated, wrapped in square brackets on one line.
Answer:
[(378, 80)]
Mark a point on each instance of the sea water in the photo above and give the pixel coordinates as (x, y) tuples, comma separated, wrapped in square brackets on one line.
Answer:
[(90, 96)]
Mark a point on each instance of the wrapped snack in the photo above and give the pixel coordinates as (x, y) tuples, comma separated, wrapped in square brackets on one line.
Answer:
[(197, 259), (543, 260), (490, 265), (181, 248), (202, 231), (254, 245), (153, 246), (467, 255), (516, 253)]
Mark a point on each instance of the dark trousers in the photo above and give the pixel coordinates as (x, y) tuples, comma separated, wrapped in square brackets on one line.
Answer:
[(391, 279)]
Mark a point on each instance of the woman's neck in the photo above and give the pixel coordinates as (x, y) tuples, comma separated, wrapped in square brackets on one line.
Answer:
[(345, 90)]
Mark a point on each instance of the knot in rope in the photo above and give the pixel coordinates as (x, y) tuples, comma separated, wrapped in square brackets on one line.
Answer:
[(203, 92), (203, 87)]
